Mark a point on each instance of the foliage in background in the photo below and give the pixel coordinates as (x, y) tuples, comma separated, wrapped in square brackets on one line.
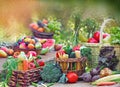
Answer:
[(115, 35)]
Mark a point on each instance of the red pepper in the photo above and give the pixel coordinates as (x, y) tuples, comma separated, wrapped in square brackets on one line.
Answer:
[(60, 52)]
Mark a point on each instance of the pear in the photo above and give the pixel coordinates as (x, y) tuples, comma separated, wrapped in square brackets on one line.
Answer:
[(38, 45)]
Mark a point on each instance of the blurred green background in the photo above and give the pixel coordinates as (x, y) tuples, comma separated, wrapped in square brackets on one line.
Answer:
[(15, 16)]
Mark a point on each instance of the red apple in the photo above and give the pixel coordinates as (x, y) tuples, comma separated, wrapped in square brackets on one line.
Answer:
[(92, 40), (57, 47), (96, 35)]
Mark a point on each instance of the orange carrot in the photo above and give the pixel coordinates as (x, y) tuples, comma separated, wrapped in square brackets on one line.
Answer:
[(25, 65), (106, 83)]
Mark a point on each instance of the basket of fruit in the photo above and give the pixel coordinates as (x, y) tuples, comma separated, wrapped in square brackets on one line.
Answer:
[(70, 60), (27, 44), (45, 29)]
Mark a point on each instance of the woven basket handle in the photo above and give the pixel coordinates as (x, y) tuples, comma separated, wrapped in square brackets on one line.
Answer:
[(101, 29)]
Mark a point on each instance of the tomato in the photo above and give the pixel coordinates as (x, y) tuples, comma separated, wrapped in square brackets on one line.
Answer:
[(72, 77), (96, 35), (92, 40)]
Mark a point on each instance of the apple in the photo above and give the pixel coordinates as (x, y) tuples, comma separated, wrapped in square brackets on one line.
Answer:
[(96, 36), (22, 45), (92, 40), (57, 47)]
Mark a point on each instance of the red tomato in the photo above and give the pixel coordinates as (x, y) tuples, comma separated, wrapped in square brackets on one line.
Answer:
[(96, 35), (92, 40), (72, 77)]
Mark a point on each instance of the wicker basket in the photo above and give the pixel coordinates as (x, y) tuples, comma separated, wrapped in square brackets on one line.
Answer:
[(24, 79), (43, 35), (76, 65), (97, 46)]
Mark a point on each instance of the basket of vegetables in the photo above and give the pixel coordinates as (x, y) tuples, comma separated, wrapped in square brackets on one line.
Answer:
[(100, 40), (22, 70), (70, 60), (45, 29)]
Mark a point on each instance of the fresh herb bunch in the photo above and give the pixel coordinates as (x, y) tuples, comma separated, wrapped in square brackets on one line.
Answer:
[(115, 35), (86, 52), (51, 73)]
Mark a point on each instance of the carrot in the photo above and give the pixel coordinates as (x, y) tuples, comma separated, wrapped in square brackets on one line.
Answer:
[(106, 83), (25, 65)]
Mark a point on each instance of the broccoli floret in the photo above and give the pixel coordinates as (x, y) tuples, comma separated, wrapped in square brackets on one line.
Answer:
[(51, 73)]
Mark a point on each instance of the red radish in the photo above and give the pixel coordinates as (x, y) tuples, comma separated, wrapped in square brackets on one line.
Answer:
[(105, 35), (32, 52), (72, 77), (92, 40), (96, 35), (40, 62), (76, 48), (31, 65)]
